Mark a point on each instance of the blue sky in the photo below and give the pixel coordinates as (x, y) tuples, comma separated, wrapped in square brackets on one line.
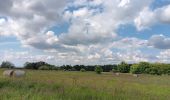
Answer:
[(84, 31)]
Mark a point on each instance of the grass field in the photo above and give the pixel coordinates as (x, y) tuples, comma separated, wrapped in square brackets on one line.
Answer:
[(58, 85)]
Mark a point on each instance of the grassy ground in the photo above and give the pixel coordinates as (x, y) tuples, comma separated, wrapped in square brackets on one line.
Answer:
[(58, 85)]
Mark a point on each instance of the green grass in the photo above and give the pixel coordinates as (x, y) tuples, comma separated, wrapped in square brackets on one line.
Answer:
[(58, 85)]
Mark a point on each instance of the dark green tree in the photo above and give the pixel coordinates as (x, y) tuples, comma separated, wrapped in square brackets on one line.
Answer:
[(82, 70), (143, 66), (123, 67), (98, 69), (134, 69), (7, 64)]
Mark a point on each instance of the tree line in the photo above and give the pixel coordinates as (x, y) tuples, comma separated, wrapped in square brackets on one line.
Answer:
[(123, 67)]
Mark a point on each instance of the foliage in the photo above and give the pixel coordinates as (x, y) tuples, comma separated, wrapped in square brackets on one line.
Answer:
[(143, 66), (82, 70), (156, 69), (134, 69), (39, 65), (52, 85), (98, 69), (7, 64), (151, 68), (34, 65), (114, 70), (44, 67), (123, 67)]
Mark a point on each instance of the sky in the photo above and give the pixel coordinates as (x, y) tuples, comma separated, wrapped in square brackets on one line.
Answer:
[(85, 32)]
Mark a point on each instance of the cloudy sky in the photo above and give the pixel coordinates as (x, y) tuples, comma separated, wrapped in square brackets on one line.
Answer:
[(84, 31)]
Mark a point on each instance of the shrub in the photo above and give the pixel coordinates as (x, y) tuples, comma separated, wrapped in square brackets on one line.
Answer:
[(7, 64), (34, 65), (114, 70), (98, 70), (155, 70), (44, 67), (143, 66), (134, 69), (54, 68), (82, 70), (168, 72), (123, 67), (73, 69)]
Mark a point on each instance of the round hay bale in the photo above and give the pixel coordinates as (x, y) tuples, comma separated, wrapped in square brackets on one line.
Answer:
[(14, 73), (19, 73), (8, 73)]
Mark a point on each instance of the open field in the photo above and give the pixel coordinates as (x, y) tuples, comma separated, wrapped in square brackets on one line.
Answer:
[(59, 85)]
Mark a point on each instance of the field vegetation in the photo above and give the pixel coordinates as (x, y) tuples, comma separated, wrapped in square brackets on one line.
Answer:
[(101, 82), (73, 85)]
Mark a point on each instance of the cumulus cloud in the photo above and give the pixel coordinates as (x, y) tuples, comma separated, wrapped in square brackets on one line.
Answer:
[(149, 17), (130, 43), (20, 58), (145, 19), (159, 41), (124, 3), (92, 22), (34, 17), (164, 56), (92, 27)]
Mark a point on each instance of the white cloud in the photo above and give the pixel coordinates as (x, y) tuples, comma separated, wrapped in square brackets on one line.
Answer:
[(92, 31), (130, 43), (149, 17), (2, 21), (159, 42), (163, 14), (80, 13), (91, 24), (164, 56), (145, 19), (124, 3)]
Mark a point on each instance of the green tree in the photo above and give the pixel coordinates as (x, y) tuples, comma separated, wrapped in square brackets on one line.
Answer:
[(7, 64), (82, 70), (98, 70), (123, 67), (134, 69), (114, 70), (44, 67), (143, 66), (156, 69)]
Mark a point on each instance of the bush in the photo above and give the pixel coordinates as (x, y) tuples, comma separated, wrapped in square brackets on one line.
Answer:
[(168, 72), (98, 70), (155, 69), (7, 64), (54, 68), (82, 70), (44, 68), (143, 66), (114, 70), (123, 67), (34, 65), (134, 69)]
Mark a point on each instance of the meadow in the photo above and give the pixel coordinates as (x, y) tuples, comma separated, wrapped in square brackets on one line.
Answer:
[(74, 85)]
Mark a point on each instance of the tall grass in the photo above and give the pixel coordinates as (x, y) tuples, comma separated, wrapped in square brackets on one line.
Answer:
[(57, 85)]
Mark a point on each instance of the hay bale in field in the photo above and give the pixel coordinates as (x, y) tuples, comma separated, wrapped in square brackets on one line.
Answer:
[(135, 75), (15, 73), (19, 73), (8, 73)]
